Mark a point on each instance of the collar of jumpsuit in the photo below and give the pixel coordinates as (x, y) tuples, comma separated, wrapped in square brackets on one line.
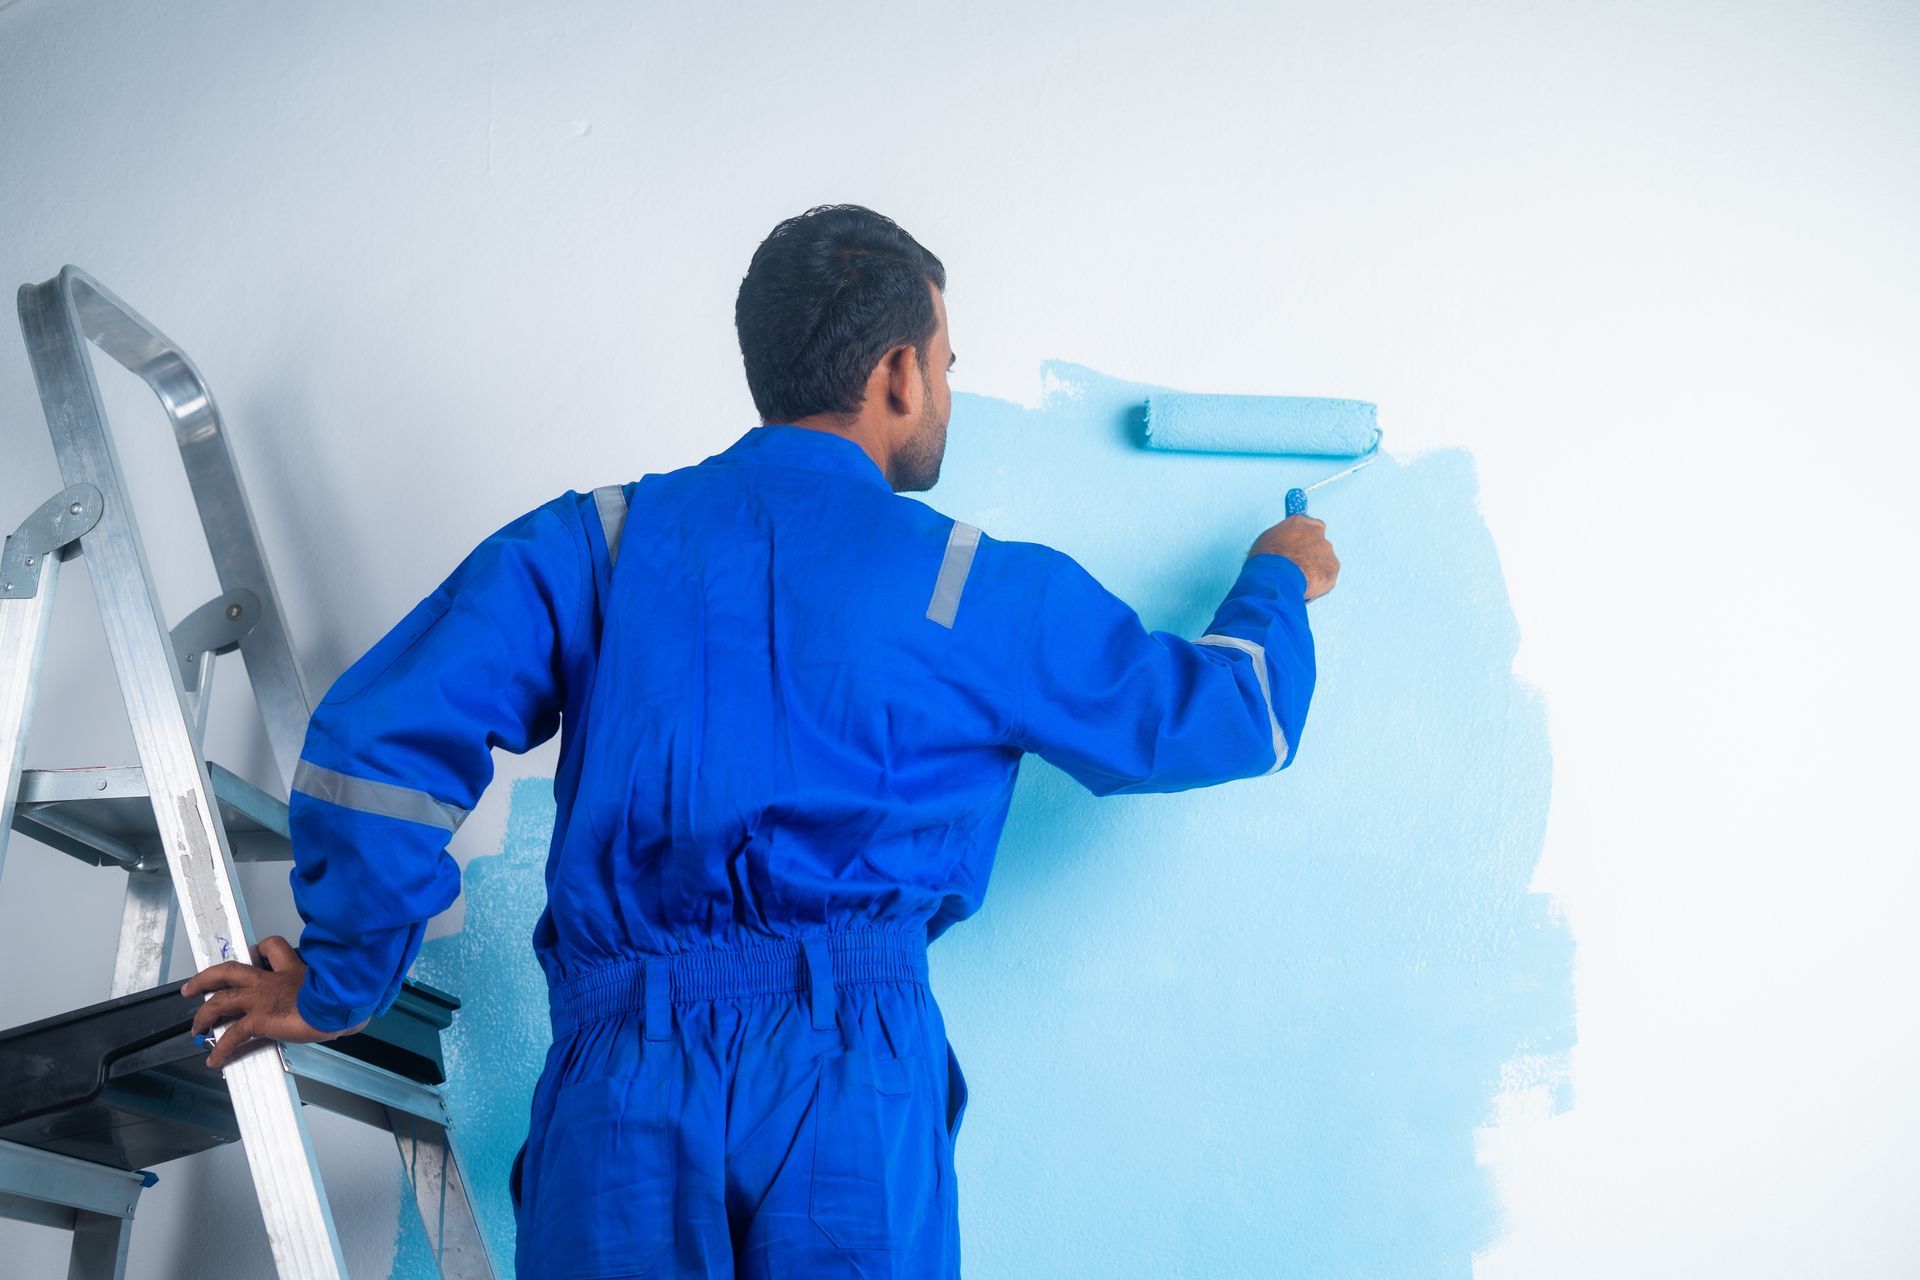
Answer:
[(790, 727), (786, 445)]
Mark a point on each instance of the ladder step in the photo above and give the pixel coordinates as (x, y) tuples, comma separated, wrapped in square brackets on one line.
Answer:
[(101, 815), (121, 1083), (43, 1187)]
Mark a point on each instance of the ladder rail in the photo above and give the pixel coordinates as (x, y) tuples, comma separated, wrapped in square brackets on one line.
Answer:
[(30, 560), (183, 870), (233, 536), (57, 319), (148, 917), (454, 1236), (23, 641)]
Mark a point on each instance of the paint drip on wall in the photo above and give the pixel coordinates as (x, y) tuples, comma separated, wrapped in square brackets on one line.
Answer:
[(1242, 1031)]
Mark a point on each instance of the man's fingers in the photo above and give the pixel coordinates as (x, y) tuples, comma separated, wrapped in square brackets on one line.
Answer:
[(229, 1043), (238, 1038), (230, 973), (219, 1007), (233, 1046), (278, 952)]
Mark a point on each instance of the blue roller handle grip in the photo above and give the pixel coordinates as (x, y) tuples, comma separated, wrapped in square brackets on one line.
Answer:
[(1296, 502)]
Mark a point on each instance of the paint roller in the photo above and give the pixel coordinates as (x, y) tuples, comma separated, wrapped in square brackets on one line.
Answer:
[(1298, 426)]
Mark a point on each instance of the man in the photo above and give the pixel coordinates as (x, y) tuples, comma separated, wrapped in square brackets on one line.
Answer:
[(794, 705)]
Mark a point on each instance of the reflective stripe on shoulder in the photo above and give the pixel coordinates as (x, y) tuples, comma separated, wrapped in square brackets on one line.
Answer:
[(954, 567), (1259, 656), (382, 798), (610, 500)]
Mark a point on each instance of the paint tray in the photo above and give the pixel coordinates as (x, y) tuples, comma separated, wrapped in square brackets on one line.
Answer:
[(122, 1083)]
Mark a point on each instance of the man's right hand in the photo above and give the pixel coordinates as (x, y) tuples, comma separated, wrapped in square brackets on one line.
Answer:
[(1303, 540), (257, 1002)]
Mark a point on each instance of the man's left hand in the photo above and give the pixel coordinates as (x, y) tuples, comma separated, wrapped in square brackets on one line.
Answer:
[(258, 1000)]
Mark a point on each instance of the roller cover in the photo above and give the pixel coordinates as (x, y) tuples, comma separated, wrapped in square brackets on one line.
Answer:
[(1261, 424)]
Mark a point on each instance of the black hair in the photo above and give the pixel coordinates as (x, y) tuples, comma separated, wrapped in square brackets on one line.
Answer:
[(828, 293)]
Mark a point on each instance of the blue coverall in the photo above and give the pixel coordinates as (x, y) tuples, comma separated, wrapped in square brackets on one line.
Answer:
[(793, 705)]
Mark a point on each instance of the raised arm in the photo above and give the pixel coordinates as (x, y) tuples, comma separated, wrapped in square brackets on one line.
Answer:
[(1124, 709)]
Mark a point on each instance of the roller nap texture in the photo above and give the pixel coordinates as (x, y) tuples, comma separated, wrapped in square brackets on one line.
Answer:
[(1300, 425)]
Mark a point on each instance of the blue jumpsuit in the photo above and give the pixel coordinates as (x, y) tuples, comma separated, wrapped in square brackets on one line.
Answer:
[(792, 704)]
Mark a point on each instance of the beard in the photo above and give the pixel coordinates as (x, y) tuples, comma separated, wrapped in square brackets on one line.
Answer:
[(916, 468)]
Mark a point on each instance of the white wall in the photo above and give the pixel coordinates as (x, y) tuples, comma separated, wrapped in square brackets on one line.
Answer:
[(1654, 264)]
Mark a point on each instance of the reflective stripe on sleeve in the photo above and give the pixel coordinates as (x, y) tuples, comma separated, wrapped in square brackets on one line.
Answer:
[(953, 573), (369, 796), (611, 502), (1259, 656)]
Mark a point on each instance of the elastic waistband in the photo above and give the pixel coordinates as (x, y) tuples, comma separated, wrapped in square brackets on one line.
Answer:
[(761, 969)]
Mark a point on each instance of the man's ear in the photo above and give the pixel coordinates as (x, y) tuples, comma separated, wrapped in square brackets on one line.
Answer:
[(906, 386)]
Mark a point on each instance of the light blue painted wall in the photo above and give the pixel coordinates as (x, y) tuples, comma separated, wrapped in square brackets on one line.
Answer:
[(1247, 1031)]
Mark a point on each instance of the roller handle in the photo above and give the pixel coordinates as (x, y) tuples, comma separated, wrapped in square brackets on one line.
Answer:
[(1296, 502)]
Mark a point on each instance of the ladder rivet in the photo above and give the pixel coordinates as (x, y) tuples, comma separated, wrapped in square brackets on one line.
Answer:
[(29, 562), (233, 610), (75, 508)]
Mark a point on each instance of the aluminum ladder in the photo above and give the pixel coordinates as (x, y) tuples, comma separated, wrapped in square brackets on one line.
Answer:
[(175, 822)]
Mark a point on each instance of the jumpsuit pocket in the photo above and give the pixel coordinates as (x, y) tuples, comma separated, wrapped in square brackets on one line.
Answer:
[(876, 1157), (600, 1183)]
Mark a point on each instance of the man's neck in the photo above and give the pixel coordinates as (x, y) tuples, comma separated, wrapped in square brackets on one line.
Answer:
[(856, 429)]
